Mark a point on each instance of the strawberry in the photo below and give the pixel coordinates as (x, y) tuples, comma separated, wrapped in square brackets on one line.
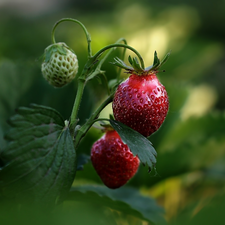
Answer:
[(60, 64), (141, 102), (113, 160)]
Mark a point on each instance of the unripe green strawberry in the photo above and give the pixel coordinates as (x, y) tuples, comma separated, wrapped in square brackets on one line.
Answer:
[(113, 160), (141, 102), (60, 64)]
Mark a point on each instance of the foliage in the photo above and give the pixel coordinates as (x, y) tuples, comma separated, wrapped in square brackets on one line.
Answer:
[(190, 150), (39, 156)]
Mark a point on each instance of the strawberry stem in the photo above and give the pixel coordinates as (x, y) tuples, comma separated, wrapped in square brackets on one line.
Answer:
[(82, 80), (73, 117), (93, 118), (100, 52), (109, 52), (98, 68), (88, 37)]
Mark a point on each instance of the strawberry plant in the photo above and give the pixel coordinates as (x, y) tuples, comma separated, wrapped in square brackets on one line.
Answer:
[(38, 164)]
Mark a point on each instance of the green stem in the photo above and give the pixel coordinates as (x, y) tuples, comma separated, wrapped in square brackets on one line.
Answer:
[(88, 37), (100, 119), (93, 59), (73, 117), (81, 84), (123, 46), (123, 56), (98, 68), (109, 52), (94, 118)]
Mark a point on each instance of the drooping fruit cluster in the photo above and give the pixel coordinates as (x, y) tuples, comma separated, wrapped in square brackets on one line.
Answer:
[(60, 64), (113, 160), (141, 102)]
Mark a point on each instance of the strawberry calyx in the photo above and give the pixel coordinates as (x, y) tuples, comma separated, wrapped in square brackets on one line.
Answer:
[(105, 127), (59, 47), (136, 68)]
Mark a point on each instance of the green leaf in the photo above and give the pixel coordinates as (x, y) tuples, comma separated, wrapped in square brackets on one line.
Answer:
[(165, 58), (138, 144), (156, 61), (211, 213), (16, 80), (61, 49), (136, 65), (48, 53), (118, 62), (192, 144), (130, 60), (207, 211), (126, 200), (57, 47), (113, 83), (82, 159), (40, 159)]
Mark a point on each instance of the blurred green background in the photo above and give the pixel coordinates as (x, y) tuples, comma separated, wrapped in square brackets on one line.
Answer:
[(191, 142)]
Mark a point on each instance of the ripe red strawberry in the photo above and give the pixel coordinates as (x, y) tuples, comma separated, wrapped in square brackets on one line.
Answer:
[(141, 101), (113, 160)]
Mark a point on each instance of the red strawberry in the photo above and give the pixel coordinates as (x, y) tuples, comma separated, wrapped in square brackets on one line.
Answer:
[(141, 101), (113, 160)]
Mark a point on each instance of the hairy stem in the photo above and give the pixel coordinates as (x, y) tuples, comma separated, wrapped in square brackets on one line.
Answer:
[(123, 46), (88, 37), (94, 117), (109, 52), (73, 117)]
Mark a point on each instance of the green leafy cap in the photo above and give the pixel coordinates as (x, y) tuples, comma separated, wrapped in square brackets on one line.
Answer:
[(59, 47), (136, 67)]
